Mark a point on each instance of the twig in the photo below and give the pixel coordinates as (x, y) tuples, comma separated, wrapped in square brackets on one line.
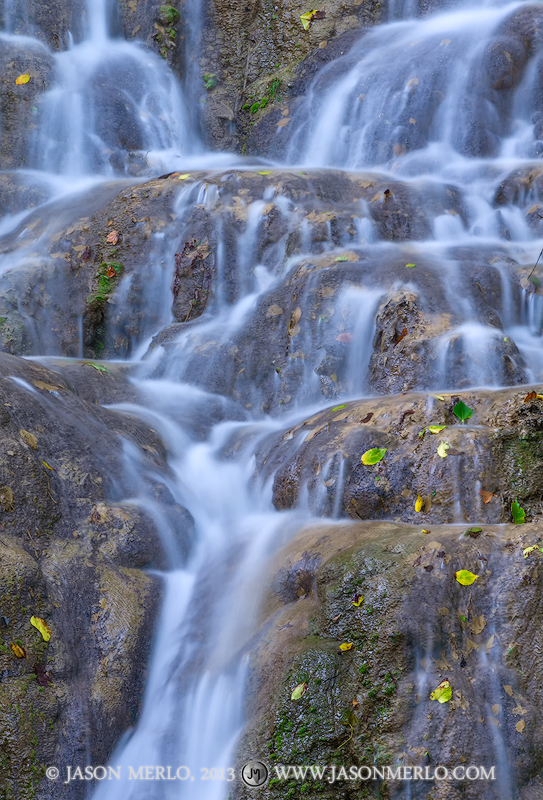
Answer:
[(536, 263)]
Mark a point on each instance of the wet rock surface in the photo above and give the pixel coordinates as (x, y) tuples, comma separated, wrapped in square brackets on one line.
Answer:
[(369, 705), (75, 556)]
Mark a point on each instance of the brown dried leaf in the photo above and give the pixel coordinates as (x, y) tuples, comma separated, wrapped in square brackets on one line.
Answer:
[(19, 651), (46, 386), (344, 337), (486, 495), (29, 438), (112, 238), (401, 335), (367, 417)]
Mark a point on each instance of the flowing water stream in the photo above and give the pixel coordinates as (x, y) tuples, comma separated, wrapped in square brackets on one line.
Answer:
[(408, 102)]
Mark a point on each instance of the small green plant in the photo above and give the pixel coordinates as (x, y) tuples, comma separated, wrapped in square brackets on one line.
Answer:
[(210, 81)]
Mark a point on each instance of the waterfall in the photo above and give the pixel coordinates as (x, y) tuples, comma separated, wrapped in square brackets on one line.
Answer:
[(405, 107)]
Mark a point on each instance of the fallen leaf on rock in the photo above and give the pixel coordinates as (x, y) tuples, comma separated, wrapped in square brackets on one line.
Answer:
[(22, 79), (41, 675), (429, 567), (413, 82), (419, 503), (401, 336), (410, 266), (442, 449), (45, 464), (443, 611), (344, 337), (508, 690), (341, 258), (465, 577), (367, 417), (46, 386), (520, 725), (373, 456), (307, 18), (478, 625), (265, 172), (527, 550), (355, 703), (473, 533), (283, 122), (518, 513), (345, 646), (7, 498), (299, 691), (274, 311), (496, 708), (437, 396), (442, 693), (113, 237), (111, 272), (184, 177), (19, 651), (42, 627), (423, 531), (462, 411), (518, 710), (29, 438), (486, 495), (491, 642), (530, 396), (358, 599), (98, 367), (436, 428)]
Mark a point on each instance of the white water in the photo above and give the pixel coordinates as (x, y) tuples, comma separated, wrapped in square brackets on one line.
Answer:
[(116, 110)]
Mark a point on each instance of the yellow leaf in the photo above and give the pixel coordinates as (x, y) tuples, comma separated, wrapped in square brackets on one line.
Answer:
[(22, 79), (42, 627), (508, 689), (358, 600), (465, 577), (184, 177), (45, 464), (19, 651), (423, 531), (442, 449), (299, 691), (306, 19), (438, 396), (373, 456), (345, 646), (478, 624), (520, 725), (49, 387), (419, 503), (265, 172), (443, 693), (436, 428), (526, 552)]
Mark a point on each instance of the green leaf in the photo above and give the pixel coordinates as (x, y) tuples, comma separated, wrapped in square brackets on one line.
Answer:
[(443, 693), (373, 456), (465, 577), (518, 513), (338, 408), (341, 258), (299, 691), (410, 266), (527, 550), (436, 428), (462, 411), (99, 367)]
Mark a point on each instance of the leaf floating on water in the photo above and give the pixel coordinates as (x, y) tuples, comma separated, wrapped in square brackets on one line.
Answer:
[(462, 411), (445, 42), (99, 367), (367, 417), (520, 725), (358, 599), (419, 503), (410, 266), (373, 456), (486, 495), (442, 449), (42, 627), (112, 238), (465, 577), (436, 428), (299, 691), (18, 650), (344, 337), (22, 79), (442, 693), (413, 82), (29, 438), (346, 646), (402, 335), (338, 408), (518, 513)]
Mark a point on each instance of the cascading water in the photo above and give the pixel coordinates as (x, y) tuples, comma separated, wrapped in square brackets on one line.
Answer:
[(406, 101)]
